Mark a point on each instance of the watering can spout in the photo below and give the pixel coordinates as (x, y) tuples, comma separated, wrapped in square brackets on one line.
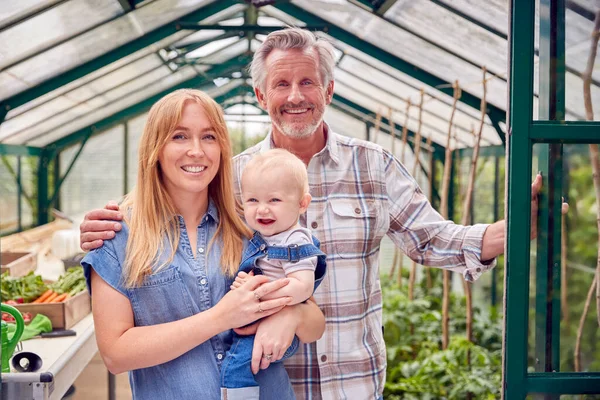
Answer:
[(9, 345)]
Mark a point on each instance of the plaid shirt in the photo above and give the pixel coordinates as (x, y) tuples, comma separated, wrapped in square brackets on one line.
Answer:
[(360, 192)]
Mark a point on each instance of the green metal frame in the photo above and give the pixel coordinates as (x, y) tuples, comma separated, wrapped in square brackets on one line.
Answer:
[(19, 150), (517, 383)]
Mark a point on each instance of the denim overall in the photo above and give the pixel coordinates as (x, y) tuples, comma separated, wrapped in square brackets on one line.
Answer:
[(235, 371)]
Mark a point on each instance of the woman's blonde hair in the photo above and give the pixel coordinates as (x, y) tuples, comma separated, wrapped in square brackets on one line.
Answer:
[(149, 210)]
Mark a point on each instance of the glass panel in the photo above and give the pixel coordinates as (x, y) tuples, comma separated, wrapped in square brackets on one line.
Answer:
[(135, 128), (10, 8), (29, 167), (578, 43), (453, 32), (88, 46), (114, 107), (373, 65), (32, 36), (493, 14), (8, 195), (87, 188), (377, 31), (40, 117), (434, 110), (580, 247)]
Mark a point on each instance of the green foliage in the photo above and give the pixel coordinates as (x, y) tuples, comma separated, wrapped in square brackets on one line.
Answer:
[(418, 368)]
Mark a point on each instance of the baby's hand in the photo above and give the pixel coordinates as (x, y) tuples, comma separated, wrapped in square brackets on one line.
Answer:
[(240, 279)]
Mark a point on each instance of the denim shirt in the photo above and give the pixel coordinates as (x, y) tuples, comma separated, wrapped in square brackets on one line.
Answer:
[(185, 287)]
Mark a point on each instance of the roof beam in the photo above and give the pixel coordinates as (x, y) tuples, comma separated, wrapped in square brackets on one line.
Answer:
[(18, 150), (112, 56), (388, 58), (127, 5)]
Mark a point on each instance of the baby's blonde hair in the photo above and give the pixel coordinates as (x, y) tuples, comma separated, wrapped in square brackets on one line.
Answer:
[(282, 161)]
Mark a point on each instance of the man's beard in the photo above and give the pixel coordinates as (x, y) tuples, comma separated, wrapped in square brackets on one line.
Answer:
[(297, 131)]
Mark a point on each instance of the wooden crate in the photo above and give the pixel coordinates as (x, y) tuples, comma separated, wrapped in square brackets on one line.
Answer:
[(18, 264), (63, 315)]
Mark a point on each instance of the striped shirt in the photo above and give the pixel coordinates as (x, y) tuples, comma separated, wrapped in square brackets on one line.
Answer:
[(360, 192)]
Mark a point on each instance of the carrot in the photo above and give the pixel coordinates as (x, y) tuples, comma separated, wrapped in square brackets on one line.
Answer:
[(51, 298), (44, 296), (60, 298)]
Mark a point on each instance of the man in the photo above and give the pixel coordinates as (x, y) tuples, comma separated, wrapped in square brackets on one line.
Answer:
[(360, 193)]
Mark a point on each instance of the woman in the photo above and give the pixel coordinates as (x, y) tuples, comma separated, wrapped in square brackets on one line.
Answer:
[(159, 288)]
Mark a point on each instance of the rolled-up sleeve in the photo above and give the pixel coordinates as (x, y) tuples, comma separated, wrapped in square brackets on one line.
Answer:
[(105, 263), (423, 234)]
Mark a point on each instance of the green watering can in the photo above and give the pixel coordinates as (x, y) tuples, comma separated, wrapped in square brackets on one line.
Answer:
[(8, 346)]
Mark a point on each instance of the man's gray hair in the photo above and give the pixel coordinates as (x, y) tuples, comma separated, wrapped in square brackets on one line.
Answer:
[(293, 38)]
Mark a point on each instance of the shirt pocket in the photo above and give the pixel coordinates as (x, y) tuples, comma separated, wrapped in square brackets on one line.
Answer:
[(355, 225), (161, 298)]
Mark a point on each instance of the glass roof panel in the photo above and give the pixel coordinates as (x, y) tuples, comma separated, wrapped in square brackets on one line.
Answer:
[(211, 47), (96, 74), (493, 14), (430, 58), (54, 107), (374, 101), (112, 107), (31, 36), (10, 8), (432, 107), (452, 32), (96, 42), (244, 109), (280, 15), (375, 65)]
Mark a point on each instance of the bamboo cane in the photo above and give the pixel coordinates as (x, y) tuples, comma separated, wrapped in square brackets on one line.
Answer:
[(563, 270), (586, 308), (413, 267), (444, 212), (405, 131), (393, 151), (392, 131), (469, 199), (377, 125), (594, 156), (402, 160)]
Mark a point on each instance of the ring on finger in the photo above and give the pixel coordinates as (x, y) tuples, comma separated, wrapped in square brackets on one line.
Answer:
[(259, 308), (256, 296), (268, 356)]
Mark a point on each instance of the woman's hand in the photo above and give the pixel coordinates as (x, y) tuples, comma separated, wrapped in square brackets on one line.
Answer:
[(273, 337), (243, 306)]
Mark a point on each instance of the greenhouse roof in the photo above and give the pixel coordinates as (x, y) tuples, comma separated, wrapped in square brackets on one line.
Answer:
[(71, 68)]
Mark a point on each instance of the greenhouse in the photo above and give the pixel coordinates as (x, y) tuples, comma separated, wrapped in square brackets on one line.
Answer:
[(474, 100)]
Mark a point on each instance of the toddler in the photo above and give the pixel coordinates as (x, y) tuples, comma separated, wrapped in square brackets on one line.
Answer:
[(274, 194)]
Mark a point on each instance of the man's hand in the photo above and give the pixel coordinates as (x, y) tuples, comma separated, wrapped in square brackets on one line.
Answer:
[(99, 225), (536, 187), (493, 238)]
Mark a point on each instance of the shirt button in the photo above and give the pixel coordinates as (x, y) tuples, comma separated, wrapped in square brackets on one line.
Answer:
[(357, 210), (219, 356), (262, 247), (200, 249), (323, 358), (478, 269), (203, 281), (314, 225)]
